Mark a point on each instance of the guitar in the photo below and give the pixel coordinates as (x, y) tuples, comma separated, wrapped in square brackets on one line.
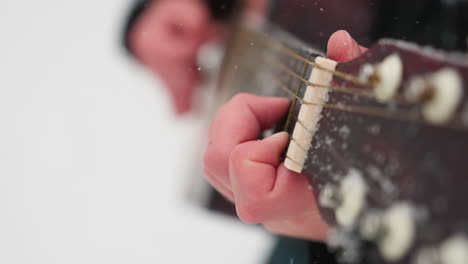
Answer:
[(382, 138)]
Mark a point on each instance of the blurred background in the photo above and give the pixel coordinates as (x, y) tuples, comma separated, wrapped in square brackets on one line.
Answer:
[(94, 167)]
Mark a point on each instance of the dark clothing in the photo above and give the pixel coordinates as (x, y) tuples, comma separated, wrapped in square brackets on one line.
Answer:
[(296, 251)]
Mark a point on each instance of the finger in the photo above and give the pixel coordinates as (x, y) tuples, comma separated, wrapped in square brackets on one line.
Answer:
[(262, 192), (242, 119), (214, 181), (298, 215), (342, 47), (252, 167)]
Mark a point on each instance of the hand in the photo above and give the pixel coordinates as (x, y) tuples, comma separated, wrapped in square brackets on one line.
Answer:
[(249, 172), (167, 39)]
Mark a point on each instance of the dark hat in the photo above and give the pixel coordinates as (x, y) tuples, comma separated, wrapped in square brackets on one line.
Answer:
[(135, 12), (221, 10)]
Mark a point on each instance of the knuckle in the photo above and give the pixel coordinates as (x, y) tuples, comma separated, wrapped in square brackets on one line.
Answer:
[(272, 228), (241, 97), (250, 213), (237, 154), (275, 227), (209, 162)]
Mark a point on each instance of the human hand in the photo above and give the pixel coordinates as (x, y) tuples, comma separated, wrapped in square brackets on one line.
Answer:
[(250, 173)]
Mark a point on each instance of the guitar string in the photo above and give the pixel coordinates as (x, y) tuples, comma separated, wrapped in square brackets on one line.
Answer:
[(289, 158), (298, 87), (366, 110), (350, 90), (397, 115), (290, 116), (299, 145), (294, 54), (354, 91), (340, 89)]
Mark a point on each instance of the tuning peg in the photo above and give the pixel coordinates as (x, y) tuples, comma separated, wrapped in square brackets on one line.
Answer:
[(418, 90), (447, 94), (330, 197), (385, 77), (392, 230), (454, 250), (427, 255), (440, 93), (353, 192), (348, 199), (371, 227), (398, 231)]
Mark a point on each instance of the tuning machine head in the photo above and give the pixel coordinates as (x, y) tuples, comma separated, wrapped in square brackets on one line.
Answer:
[(399, 226), (393, 230), (347, 200), (385, 77), (440, 94), (453, 250)]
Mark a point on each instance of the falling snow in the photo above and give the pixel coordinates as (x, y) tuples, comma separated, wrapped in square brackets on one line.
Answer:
[(344, 131)]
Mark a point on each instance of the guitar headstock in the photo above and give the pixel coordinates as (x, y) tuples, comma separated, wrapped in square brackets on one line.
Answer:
[(388, 156), (402, 73)]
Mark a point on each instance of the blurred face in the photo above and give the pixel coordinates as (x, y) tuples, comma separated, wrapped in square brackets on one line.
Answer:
[(176, 29), (171, 30), (167, 38)]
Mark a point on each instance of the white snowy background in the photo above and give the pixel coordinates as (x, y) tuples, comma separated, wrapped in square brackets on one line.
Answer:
[(93, 165)]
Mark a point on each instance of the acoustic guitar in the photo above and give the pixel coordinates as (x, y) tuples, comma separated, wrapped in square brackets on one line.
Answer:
[(382, 138)]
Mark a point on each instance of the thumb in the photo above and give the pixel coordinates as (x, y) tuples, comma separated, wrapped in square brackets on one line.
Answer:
[(252, 172), (342, 47), (267, 151), (252, 165)]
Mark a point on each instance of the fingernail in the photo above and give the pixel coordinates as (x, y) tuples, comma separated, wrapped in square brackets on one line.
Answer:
[(280, 139), (354, 49), (278, 136)]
